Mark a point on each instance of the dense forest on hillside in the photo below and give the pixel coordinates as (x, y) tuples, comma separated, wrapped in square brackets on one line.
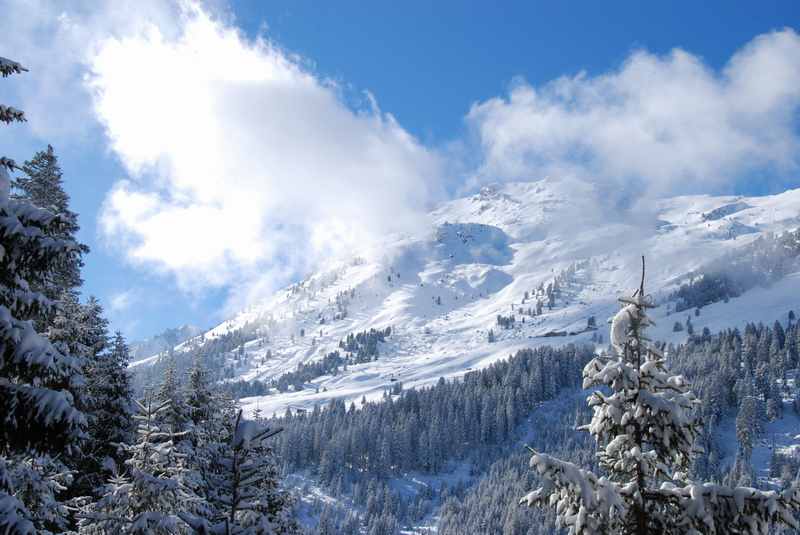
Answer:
[(763, 262), (741, 380)]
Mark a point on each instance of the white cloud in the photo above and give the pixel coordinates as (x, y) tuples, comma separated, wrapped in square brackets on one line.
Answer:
[(244, 167), (659, 124), (241, 161), (122, 301), (53, 39)]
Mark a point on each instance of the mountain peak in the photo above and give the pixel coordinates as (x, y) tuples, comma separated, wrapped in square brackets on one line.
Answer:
[(527, 261)]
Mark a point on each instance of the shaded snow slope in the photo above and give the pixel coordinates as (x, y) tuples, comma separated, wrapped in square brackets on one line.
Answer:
[(442, 292)]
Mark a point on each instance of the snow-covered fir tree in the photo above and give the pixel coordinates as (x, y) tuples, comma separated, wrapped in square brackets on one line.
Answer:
[(208, 409), (147, 495), (112, 407), (39, 482), (646, 429), (175, 418), (217, 434), (68, 330), (748, 425), (95, 327), (82, 329), (41, 184), (38, 382), (240, 486)]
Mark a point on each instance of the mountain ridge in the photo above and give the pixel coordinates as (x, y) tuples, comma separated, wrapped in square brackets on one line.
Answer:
[(442, 292)]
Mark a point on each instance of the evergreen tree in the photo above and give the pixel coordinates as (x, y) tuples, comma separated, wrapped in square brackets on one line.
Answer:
[(646, 429), (176, 417), (37, 381), (240, 488), (113, 406), (199, 395), (99, 400), (39, 482), (748, 425), (42, 185), (148, 497), (96, 327), (67, 331)]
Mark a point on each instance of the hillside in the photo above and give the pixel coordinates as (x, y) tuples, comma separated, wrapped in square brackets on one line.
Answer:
[(505, 251), (142, 349)]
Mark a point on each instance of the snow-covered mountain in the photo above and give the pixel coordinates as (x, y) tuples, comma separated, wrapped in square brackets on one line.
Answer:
[(494, 254), (142, 349)]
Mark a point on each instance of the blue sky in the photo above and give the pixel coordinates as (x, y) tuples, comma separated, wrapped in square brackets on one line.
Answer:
[(433, 89), (427, 62)]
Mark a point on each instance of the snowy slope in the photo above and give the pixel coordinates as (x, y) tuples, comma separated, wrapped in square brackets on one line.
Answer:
[(441, 292)]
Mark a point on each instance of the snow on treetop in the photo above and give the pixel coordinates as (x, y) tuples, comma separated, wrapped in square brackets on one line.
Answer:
[(620, 327)]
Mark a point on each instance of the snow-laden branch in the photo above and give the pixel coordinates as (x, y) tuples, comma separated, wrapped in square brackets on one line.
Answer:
[(8, 67)]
